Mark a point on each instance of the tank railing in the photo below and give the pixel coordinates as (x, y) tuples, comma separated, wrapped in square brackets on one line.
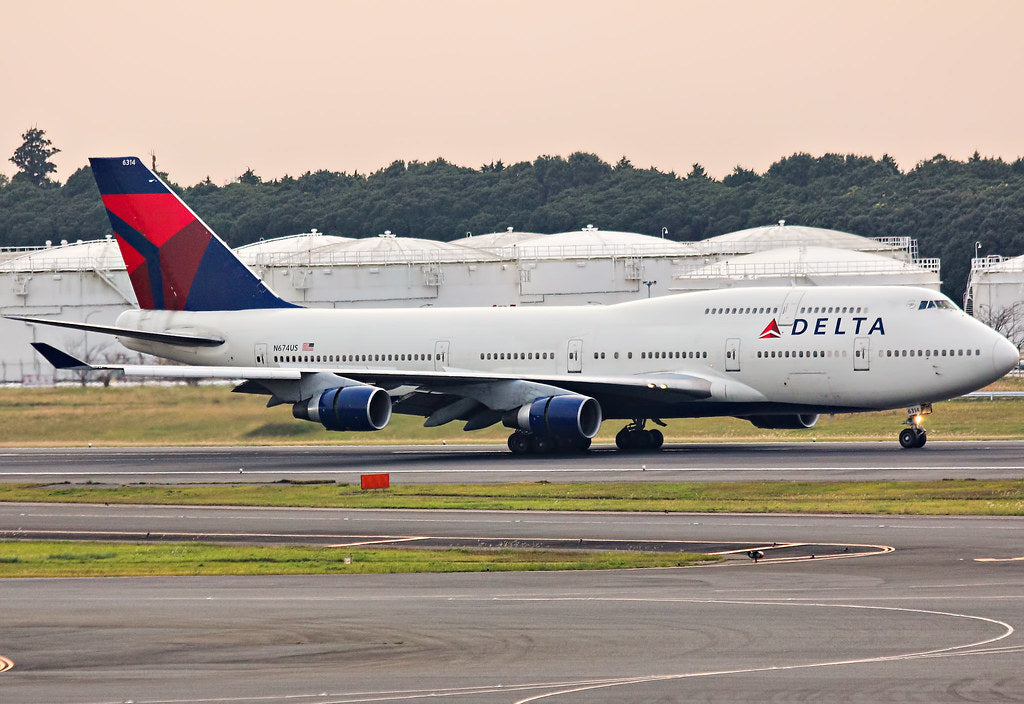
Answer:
[(907, 244), (527, 251), (891, 245), (17, 251), (755, 269), (983, 263), (30, 265), (383, 258), (62, 257), (530, 251)]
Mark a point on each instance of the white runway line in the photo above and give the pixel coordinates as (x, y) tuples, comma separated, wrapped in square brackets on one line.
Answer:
[(534, 470)]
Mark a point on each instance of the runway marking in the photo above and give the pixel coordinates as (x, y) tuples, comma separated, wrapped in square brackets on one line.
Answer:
[(690, 469), (773, 546), (951, 651), (177, 534), (574, 687), (384, 541), (5, 664), (998, 559), (879, 550)]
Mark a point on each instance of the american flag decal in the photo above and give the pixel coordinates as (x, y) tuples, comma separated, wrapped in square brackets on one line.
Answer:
[(307, 346)]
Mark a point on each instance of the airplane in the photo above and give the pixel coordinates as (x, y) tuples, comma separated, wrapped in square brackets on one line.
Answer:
[(778, 357)]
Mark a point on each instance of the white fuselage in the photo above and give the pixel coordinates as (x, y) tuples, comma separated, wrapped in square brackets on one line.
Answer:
[(832, 348)]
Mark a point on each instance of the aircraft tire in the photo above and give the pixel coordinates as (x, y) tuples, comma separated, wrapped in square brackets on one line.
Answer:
[(542, 444), (908, 439), (644, 439), (623, 440), (922, 438), (519, 443), (657, 439)]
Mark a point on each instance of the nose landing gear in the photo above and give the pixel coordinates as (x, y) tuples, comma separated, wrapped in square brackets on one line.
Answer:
[(915, 436), (635, 437)]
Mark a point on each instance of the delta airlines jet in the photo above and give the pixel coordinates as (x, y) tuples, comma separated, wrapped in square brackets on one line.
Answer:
[(777, 357)]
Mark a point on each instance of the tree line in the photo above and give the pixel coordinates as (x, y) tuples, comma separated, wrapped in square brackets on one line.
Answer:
[(947, 205)]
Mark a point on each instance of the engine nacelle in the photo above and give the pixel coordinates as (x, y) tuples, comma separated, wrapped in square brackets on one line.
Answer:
[(568, 416), (347, 408), (799, 421)]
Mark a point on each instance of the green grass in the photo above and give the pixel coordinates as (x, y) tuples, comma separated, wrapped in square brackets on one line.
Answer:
[(90, 559), (950, 497), (205, 415)]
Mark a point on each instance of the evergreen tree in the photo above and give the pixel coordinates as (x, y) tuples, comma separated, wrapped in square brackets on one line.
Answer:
[(945, 204), (33, 158)]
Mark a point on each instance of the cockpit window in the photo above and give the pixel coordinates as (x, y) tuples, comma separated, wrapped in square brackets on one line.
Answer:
[(940, 303)]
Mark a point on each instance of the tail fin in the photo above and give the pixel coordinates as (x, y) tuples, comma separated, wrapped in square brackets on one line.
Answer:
[(174, 260)]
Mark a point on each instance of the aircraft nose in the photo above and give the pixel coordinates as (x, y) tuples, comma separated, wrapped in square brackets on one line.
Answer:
[(1005, 356)]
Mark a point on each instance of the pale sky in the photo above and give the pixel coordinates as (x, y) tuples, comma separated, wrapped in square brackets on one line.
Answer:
[(213, 88)]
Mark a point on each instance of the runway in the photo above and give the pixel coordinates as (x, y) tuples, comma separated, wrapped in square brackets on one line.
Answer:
[(491, 464), (842, 608), (934, 620)]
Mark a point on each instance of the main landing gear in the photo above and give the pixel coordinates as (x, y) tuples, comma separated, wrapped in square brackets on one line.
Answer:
[(522, 442), (635, 437), (915, 436)]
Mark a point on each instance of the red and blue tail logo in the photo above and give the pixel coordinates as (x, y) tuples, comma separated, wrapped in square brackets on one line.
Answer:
[(175, 262)]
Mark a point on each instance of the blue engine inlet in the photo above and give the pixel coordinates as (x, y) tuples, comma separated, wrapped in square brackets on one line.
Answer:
[(354, 408), (568, 416)]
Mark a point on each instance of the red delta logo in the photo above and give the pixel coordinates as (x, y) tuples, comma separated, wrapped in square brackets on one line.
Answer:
[(772, 330), (857, 325)]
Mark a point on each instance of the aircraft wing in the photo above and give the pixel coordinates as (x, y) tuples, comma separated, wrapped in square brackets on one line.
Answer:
[(442, 396)]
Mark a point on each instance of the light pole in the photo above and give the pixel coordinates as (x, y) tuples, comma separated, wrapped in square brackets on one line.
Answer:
[(977, 248), (648, 284)]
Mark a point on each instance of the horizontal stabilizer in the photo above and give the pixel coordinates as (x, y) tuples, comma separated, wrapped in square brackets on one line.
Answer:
[(63, 360), (168, 338), (60, 359)]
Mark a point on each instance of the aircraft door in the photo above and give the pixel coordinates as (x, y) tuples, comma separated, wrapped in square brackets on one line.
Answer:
[(574, 357), (861, 354), (440, 355), (789, 308), (732, 354), (261, 354)]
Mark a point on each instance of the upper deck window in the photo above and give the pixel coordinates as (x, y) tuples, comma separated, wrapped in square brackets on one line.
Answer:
[(940, 303)]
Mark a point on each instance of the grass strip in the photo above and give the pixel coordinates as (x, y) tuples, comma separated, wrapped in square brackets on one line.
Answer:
[(943, 497), (96, 559)]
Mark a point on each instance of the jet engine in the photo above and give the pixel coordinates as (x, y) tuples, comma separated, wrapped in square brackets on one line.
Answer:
[(568, 416), (799, 421), (347, 408)]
